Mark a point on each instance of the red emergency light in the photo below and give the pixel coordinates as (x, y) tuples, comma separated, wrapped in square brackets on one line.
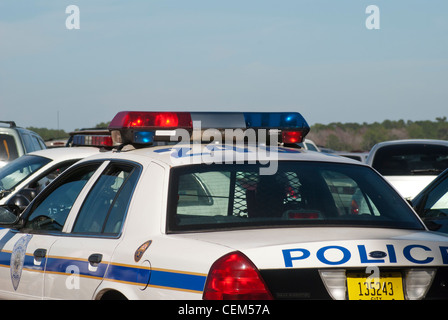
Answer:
[(151, 120), (292, 137)]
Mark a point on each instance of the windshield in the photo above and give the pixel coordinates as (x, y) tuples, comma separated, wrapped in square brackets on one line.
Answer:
[(210, 197), (18, 170), (411, 159)]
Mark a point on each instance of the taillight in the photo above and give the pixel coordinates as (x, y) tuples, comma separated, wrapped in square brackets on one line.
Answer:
[(235, 277)]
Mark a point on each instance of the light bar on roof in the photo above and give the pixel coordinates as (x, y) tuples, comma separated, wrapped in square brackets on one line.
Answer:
[(278, 120), (144, 128), (92, 140), (151, 120)]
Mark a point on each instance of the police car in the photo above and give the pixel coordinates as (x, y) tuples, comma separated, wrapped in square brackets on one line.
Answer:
[(209, 214), (22, 179)]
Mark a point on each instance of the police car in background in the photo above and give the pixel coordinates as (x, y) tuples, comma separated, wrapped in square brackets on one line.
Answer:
[(22, 179), (218, 220)]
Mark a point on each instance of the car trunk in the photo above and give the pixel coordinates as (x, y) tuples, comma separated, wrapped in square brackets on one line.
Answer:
[(293, 262)]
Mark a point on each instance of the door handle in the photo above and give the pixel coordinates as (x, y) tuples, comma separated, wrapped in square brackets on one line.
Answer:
[(95, 258), (40, 253)]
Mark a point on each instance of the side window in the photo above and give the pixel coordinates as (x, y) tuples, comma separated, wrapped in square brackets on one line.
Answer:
[(437, 201), (8, 149), (50, 212), (29, 147), (38, 144), (105, 207), (43, 181)]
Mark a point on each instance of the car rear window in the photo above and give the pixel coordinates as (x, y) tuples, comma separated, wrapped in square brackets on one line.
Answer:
[(211, 197), (411, 159)]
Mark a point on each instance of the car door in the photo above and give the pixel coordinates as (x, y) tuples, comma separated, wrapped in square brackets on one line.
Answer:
[(77, 262), (23, 262), (24, 250)]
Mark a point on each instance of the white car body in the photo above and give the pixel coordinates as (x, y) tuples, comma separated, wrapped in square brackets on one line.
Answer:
[(56, 157), (175, 266), (408, 185), (309, 145), (154, 253)]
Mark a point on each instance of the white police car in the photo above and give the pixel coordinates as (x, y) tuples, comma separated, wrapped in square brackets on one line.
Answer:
[(218, 220), (22, 179)]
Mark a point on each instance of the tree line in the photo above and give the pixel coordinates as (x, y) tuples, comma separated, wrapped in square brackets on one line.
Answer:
[(362, 137), (54, 134)]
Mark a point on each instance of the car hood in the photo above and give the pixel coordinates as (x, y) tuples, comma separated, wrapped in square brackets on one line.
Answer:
[(333, 247)]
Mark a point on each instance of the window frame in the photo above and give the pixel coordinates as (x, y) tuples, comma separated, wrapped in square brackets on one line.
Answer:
[(103, 164), (134, 173), (59, 181)]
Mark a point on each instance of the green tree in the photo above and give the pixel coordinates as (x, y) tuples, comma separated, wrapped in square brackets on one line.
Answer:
[(49, 134), (373, 135)]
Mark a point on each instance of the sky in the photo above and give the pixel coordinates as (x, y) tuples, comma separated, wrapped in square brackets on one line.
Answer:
[(316, 57)]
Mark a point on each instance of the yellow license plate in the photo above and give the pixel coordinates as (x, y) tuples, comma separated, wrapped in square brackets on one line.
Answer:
[(389, 286)]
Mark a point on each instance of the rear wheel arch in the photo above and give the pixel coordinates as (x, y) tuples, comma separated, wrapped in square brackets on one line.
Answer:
[(111, 295)]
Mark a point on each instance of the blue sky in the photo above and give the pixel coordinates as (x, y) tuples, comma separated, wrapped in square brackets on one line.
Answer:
[(311, 56)]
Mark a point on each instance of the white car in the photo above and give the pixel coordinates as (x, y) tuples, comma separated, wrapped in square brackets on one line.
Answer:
[(16, 141), (409, 165), (309, 145), (218, 221), (359, 156), (22, 179)]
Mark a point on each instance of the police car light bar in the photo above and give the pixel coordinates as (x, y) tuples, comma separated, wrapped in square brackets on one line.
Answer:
[(95, 137), (144, 128), (92, 140)]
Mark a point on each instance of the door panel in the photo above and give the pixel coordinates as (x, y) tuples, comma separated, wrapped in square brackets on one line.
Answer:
[(22, 259), (70, 274)]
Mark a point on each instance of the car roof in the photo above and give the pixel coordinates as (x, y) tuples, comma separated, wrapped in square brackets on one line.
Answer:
[(177, 155), (412, 141), (66, 153)]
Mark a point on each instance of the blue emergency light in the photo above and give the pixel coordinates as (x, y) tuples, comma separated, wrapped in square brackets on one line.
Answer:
[(277, 120), (144, 128)]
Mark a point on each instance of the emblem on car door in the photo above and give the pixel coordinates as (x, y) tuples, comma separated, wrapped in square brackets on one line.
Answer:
[(18, 259)]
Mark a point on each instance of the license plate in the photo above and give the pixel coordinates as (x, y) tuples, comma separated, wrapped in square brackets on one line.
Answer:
[(389, 286)]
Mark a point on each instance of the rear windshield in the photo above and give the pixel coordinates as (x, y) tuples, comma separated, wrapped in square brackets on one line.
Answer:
[(211, 197), (411, 159)]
